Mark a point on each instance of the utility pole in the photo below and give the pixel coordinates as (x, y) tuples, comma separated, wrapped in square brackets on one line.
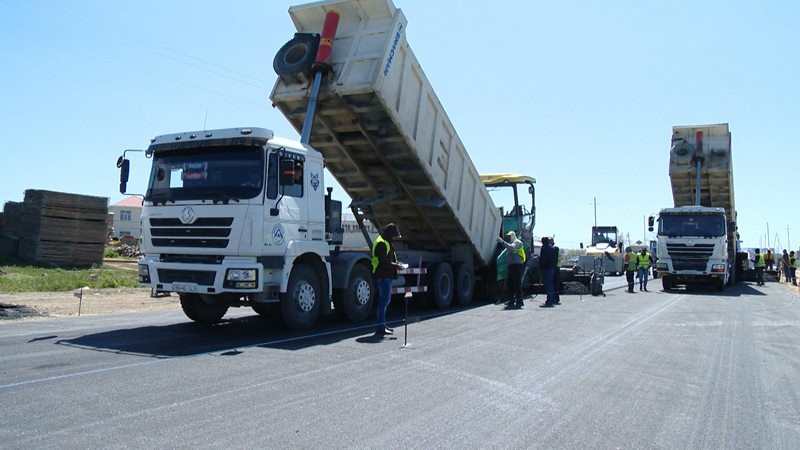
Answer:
[(768, 235), (644, 230), (595, 211), (788, 241)]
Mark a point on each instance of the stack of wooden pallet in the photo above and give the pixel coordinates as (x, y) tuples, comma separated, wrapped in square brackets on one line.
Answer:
[(57, 228)]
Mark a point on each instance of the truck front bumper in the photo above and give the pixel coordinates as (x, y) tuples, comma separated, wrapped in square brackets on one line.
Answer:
[(232, 274)]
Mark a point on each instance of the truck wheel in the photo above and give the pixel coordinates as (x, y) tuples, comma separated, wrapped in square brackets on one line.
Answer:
[(666, 283), (203, 310), (465, 283), (441, 285), (355, 302), (300, 304)]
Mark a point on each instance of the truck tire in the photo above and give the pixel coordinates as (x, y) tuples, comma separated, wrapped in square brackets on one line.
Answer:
[(301, 303), (666, 283), (296, 57), (441, 285), (355, 302), (465, 283), (202, 311)]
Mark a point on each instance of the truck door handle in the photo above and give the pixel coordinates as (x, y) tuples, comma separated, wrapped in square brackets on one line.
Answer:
[(302, 230)]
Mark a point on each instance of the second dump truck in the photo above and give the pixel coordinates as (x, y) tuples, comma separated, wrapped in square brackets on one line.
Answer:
[(697, 238)]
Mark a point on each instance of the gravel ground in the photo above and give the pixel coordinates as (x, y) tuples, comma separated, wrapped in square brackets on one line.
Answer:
[(36, 305)]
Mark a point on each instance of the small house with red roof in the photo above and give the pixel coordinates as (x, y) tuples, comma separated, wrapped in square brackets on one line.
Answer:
[(127, 214)]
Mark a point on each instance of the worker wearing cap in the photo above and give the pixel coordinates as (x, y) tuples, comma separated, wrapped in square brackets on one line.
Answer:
[(785, 265), (547, 265), (759, 264), (643, 267), (385, 266), (630, 267), (556, 272), (515, 260)]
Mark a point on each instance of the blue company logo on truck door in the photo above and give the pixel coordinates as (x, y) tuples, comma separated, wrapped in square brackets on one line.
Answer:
[(278, 234), (393, 50)]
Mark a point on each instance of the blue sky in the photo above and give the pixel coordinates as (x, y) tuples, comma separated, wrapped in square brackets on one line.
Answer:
[(580, 95)]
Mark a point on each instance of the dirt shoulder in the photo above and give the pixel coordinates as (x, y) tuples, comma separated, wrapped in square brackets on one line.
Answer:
[(33, 305)]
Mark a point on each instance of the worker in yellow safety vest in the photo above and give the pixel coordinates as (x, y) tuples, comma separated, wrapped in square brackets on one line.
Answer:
[(643, 268), (515, 261), (769, 259), (385, 266), (760, 263), (792, 268), (630, 267)]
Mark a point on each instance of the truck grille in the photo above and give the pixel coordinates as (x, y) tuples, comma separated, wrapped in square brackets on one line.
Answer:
[(690, 258), (201, 277), (205, 232)]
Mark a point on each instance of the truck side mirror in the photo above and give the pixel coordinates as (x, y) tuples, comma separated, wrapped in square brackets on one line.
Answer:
[(124, 173), (581, 244), (650, 222)]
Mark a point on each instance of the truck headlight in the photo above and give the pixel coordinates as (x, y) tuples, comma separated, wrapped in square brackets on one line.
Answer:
[(241, 275), (718, 268), (144, 273)]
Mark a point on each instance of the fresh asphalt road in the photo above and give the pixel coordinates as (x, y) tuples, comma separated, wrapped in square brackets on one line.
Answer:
[(665, 370)]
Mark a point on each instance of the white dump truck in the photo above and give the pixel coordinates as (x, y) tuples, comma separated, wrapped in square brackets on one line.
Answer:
[(240, 217), (697, 239)]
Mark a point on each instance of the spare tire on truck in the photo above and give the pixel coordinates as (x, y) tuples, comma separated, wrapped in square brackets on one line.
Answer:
[(295, 60)]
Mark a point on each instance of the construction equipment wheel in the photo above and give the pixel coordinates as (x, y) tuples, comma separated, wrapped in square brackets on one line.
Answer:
[(301, 303), (205, 309), (465, 283), (441, 285), (666, 283), (355, 302)]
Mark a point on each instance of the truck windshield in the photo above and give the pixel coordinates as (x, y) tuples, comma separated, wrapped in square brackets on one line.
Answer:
[(702, 225), (226, 173)]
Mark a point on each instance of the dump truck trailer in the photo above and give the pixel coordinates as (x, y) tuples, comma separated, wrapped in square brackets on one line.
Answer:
[(240, 217), (697, 238)]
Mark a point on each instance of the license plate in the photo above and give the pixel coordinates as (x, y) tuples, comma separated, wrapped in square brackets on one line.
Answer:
[(184, 287)]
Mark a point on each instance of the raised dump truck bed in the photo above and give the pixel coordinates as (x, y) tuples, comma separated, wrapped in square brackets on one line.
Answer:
[(716, 173), (386, 137)]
